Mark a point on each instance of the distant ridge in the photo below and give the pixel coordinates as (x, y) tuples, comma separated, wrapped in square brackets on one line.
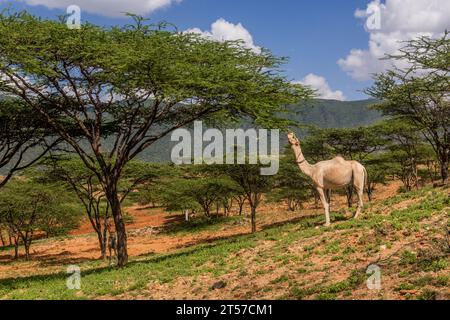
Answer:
[(319, 112), (337, 114)]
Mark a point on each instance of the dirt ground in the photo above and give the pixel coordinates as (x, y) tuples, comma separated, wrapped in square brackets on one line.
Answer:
[(143, 236)]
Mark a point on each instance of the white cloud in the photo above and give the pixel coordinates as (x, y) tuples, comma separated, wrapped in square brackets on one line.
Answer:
[(222, 30), (323, 88), (111, 8), (400, 20)]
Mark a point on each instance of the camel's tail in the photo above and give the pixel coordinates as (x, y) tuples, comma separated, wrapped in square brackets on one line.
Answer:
[(366, 180)]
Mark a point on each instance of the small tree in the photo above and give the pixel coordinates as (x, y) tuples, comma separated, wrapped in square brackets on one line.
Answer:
[(88, 189), (378, 167), (240, 198), (290, 184), (154, 180), (406, 149), (85, 185), (420, 92), (248, 177), (205, 192), (29, 208)]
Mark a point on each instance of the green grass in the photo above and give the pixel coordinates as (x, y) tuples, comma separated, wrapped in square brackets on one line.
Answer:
[(201, 224), (97, 281), (328, 292), (219, 258)]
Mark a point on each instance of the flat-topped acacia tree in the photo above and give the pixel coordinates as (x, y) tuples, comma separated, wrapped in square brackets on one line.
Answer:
[(134, 85)]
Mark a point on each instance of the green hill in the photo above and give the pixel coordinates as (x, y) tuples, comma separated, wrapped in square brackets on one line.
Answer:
[(337, 114), (322, 113)]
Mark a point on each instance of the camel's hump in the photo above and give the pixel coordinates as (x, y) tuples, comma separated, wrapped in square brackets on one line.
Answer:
[(339, 159)]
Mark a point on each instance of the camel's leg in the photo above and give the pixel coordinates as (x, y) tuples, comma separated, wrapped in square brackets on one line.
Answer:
[(326, 206), (328, 194), (359, 186)]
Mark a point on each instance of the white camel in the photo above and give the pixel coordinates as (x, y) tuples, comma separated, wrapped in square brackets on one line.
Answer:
[(331, 174)]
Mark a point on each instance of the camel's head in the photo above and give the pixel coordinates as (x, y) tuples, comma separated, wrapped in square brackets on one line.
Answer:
[(293, 139)]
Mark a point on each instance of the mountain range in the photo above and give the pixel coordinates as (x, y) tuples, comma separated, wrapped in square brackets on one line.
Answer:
[(320, 113)]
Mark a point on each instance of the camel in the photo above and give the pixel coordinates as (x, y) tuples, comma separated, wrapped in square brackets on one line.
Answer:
[(331, 174)]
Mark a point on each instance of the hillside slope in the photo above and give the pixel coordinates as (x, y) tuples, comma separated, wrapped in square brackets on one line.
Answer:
[(406, 236)]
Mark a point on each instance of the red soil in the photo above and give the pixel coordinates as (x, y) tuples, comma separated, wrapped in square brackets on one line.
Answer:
[(82, 245)]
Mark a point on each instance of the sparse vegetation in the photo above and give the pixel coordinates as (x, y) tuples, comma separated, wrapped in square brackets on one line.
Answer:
[(79, 108), (225, 258)]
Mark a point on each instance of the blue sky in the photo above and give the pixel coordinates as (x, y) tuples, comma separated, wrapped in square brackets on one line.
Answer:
[(315, 35)]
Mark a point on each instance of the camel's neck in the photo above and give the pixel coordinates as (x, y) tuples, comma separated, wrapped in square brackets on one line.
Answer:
[(304, 165)]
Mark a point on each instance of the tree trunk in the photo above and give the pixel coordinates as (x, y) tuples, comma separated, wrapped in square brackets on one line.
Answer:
[(207, 212), (370, 189), (102, 244), (1, 238), (104, 238), (16, 248), (27, 244), (415, 175), (253, 216), (253, 200), (444, 171), (350, 196), (431, 171), (27, 250), (316, 199), (116, 211), (241, 207), (289, 203)]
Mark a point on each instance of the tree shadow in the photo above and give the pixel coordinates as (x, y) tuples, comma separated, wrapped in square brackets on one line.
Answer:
[(186, 250)]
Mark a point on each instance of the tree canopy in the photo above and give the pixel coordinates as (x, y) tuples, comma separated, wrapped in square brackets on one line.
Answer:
[(419, 92), (133, 84)]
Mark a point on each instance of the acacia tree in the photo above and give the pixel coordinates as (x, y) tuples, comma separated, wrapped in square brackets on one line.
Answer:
[(23, 138), (378, 167), (86, 186), (27, 207), (405, 148), (291, 185), (250, 181), (420, 92), (154, 180), (240, 199), (133, 84), (205, 192)]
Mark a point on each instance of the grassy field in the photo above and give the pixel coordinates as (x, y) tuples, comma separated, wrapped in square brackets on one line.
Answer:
[(406, 236)]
